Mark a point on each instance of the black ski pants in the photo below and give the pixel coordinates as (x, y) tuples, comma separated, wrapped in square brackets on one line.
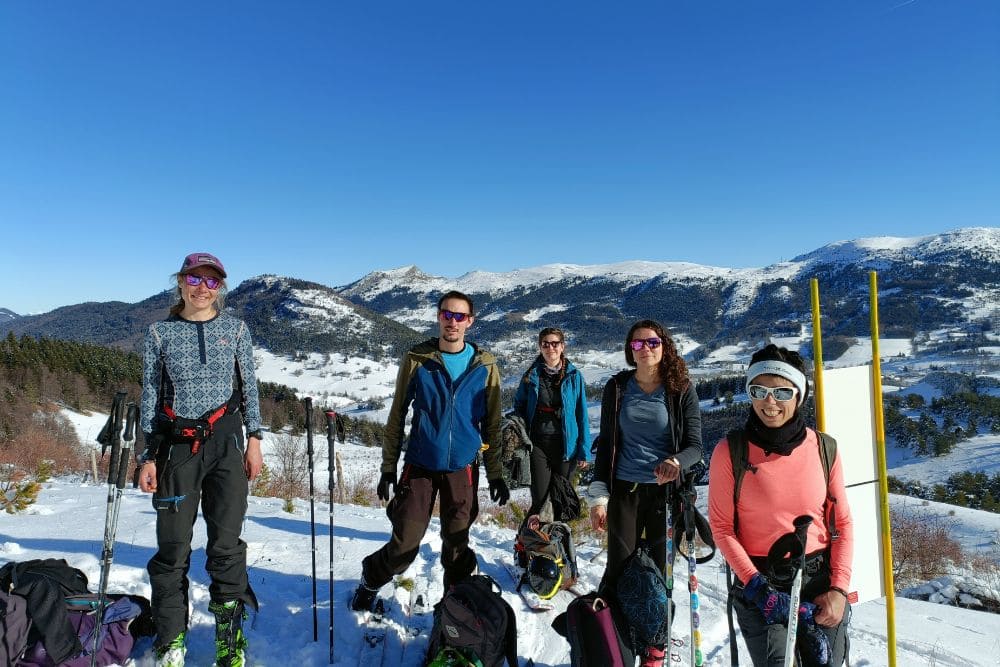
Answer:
[(546, 457), (635, 511), (410, 512), (766, 643), (215, 478)]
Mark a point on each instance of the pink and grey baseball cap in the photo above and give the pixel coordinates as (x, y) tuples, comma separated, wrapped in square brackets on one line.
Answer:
[(196, 259)]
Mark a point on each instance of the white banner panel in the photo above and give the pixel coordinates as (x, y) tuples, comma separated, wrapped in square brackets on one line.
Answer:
[(866, 568), (850, 418), (847, 397)]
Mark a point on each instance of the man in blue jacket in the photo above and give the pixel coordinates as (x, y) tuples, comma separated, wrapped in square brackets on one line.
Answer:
[(454, 389)]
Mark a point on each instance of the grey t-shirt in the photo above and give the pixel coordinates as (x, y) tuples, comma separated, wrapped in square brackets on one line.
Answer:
[(646, 439)]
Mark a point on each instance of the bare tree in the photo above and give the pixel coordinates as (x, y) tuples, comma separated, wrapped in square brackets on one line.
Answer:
[(290, 470), (922, 547)]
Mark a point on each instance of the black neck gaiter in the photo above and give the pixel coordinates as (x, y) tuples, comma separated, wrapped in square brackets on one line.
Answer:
[(781, 440)]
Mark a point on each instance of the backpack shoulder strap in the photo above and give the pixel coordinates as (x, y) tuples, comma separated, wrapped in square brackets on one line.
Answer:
[(565, 538), (827, 452), (739, 454), (827, 455)]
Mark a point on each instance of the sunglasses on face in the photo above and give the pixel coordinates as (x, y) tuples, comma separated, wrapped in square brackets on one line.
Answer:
[(782, 394), (551, 344), (449, 315), (651, 343), (210, 282)]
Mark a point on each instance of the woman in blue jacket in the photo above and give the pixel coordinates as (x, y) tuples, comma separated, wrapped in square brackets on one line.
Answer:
[(552, 401)]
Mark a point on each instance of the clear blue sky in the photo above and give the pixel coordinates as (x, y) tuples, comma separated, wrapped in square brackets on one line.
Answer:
[(326, 139)]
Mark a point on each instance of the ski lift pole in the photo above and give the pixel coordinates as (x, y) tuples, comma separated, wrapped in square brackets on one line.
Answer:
[(116, 482), (334, 427), (307, 401)]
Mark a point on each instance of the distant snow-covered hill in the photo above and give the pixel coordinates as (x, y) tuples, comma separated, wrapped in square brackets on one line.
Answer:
[(290, 316), (925, 282)]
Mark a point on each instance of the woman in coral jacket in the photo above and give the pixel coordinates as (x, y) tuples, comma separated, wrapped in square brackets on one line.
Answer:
[(784, 478)]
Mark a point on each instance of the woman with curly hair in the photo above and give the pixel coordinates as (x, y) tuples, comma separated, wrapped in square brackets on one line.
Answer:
[(650, 434)]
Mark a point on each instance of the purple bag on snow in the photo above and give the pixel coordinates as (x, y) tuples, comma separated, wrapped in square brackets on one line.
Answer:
[(116, 641)]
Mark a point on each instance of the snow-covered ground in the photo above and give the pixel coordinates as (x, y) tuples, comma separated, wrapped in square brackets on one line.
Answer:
[(338, 379), (979, 453), (68, 522)]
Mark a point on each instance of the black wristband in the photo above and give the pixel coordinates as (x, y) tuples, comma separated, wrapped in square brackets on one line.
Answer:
[(840, 590), (256, 434)]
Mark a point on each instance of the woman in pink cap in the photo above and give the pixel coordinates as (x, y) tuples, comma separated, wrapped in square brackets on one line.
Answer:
[(199, 397)]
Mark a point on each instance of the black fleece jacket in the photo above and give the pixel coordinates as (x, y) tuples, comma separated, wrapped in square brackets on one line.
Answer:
[(685, 427)]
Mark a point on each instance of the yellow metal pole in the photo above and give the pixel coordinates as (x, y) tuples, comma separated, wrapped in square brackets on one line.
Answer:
[(883, 477), (817, 355)]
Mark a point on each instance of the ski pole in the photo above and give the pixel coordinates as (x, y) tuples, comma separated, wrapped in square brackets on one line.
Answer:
[(116, 482), (688, 496), (734, 657), (801, 524), (670, 564), (312, 510), (110, 436), (332, 421)]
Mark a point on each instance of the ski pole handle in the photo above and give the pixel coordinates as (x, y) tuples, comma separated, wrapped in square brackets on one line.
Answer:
[(108, 433), (801, 525), (131, 417), (114, 435), (308, 403), (331, 438)]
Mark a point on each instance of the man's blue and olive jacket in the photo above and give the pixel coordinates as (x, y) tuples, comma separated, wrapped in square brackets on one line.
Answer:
[(452, 420)]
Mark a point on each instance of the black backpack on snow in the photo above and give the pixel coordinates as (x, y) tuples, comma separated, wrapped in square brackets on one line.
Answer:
[(473, 618), (642, 597)]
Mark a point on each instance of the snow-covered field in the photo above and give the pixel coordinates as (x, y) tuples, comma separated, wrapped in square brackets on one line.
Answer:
[(68, 522)]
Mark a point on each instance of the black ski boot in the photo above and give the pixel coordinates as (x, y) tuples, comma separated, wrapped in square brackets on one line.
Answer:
[(364, 597)]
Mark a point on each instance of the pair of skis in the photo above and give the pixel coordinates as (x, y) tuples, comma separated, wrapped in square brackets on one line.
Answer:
[(376, 625)]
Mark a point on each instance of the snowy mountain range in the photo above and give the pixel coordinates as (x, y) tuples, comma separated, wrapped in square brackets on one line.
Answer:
[(926, 283)]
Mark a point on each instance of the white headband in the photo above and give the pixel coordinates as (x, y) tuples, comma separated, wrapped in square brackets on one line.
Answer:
[(781, 369)]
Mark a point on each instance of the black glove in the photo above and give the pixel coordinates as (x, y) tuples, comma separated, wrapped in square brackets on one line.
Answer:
[(385, 481), (499, 492)]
